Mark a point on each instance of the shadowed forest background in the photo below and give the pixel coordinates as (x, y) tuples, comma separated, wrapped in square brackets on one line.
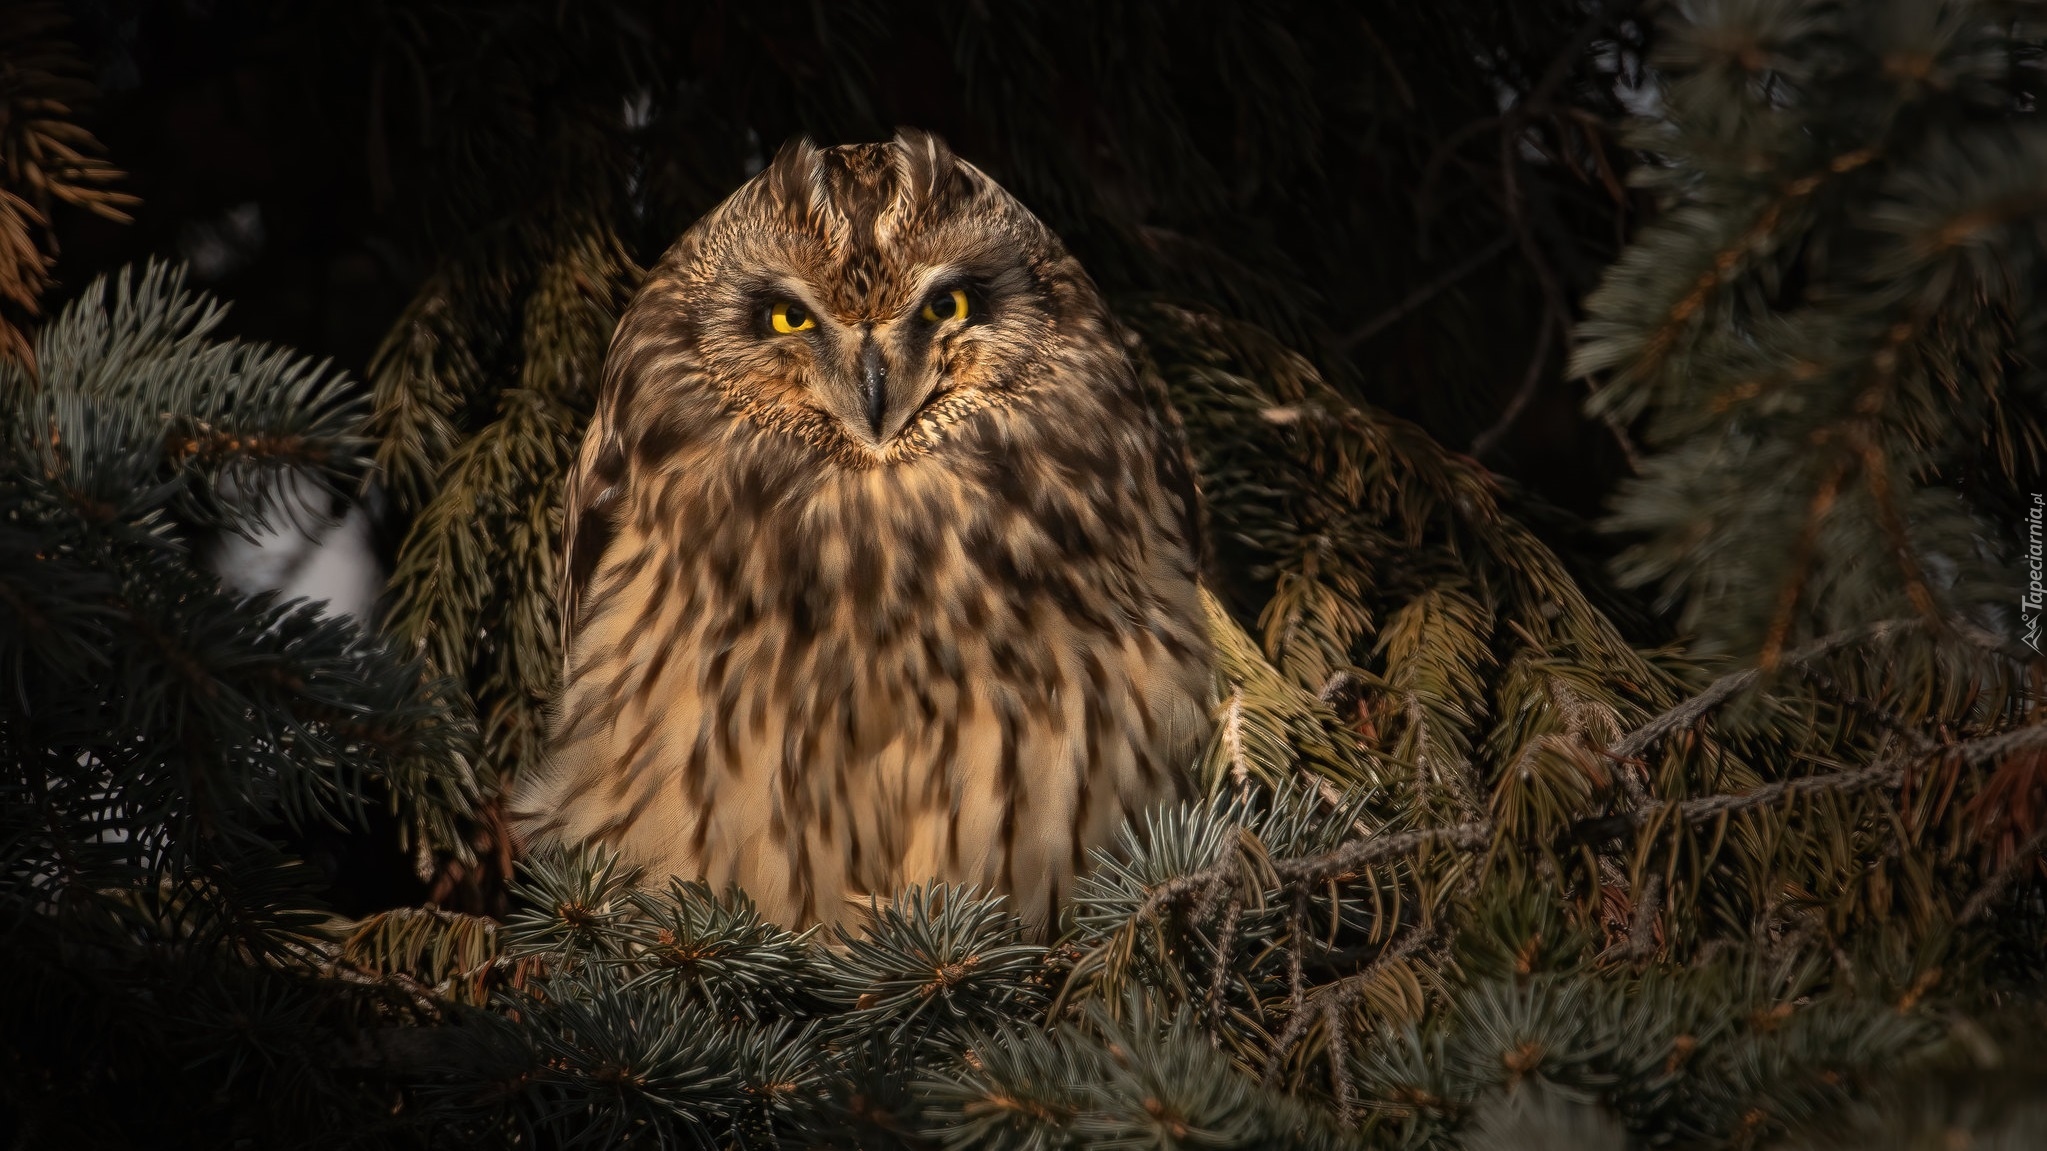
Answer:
[(1619, 424)]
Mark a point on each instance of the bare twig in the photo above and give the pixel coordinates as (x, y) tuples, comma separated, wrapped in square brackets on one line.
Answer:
[(1998, 746), (1337, 997), (1346, 862), (1642, 930), (1423, 294), (1863, 706), (1490, 438), (1297, 979), (1888, 771), (1425, 192), (1225, 940), (1734, 683), (2025, 857), (1351, 859), (1339, 1066)]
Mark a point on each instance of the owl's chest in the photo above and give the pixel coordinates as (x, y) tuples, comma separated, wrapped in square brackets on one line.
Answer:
[(868, 556), (952, 673), (887, 591)]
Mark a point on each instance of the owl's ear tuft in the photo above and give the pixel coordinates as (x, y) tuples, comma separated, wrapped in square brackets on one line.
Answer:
[(930, 173), (796, 177)]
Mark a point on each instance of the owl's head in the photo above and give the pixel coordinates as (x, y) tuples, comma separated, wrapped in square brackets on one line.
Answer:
[(865, 297)]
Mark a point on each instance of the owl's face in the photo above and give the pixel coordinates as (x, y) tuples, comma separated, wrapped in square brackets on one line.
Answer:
[(863, 297)]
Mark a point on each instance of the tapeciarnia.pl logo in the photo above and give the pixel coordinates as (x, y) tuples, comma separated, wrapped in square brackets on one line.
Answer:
[(2036, 586)]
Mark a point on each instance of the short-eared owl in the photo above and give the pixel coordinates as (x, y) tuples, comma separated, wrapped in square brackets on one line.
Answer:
[(880, 559)]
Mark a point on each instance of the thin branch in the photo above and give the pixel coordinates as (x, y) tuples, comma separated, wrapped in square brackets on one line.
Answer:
[(1991, 747), (1343, 863), (1336, 997), (1642, 930), (1339, 1066), (1490, 438), (1888, 771), (1423, 294), (2025, 857), (1351, 859), (1432, 170), (1225, 942), (1734, 683)]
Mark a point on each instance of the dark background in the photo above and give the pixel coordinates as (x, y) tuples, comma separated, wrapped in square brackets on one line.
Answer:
[(1344, 158)]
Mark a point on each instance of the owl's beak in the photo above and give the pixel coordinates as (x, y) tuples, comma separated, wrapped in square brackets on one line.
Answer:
[(874, 386)]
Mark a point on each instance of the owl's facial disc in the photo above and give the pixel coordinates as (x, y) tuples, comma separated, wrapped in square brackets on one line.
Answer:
[(877, 301)]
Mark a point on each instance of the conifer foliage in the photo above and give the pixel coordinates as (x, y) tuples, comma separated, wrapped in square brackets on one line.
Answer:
[(1735, 841), (161, 738), (47, 158)]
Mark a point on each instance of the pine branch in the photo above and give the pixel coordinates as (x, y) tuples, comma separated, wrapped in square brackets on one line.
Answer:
[(46, 158)]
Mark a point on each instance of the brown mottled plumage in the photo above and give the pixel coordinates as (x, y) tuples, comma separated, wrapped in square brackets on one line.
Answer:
[(894, 597)]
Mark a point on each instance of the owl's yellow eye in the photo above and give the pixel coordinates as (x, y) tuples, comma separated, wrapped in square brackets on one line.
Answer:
[(951, 306), (790, 317)]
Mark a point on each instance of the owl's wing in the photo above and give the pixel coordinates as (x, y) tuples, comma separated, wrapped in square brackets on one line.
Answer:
[(1173, 460), (593, 492)]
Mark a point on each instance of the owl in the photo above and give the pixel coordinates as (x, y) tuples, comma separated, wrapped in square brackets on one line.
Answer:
[(880, 560)]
